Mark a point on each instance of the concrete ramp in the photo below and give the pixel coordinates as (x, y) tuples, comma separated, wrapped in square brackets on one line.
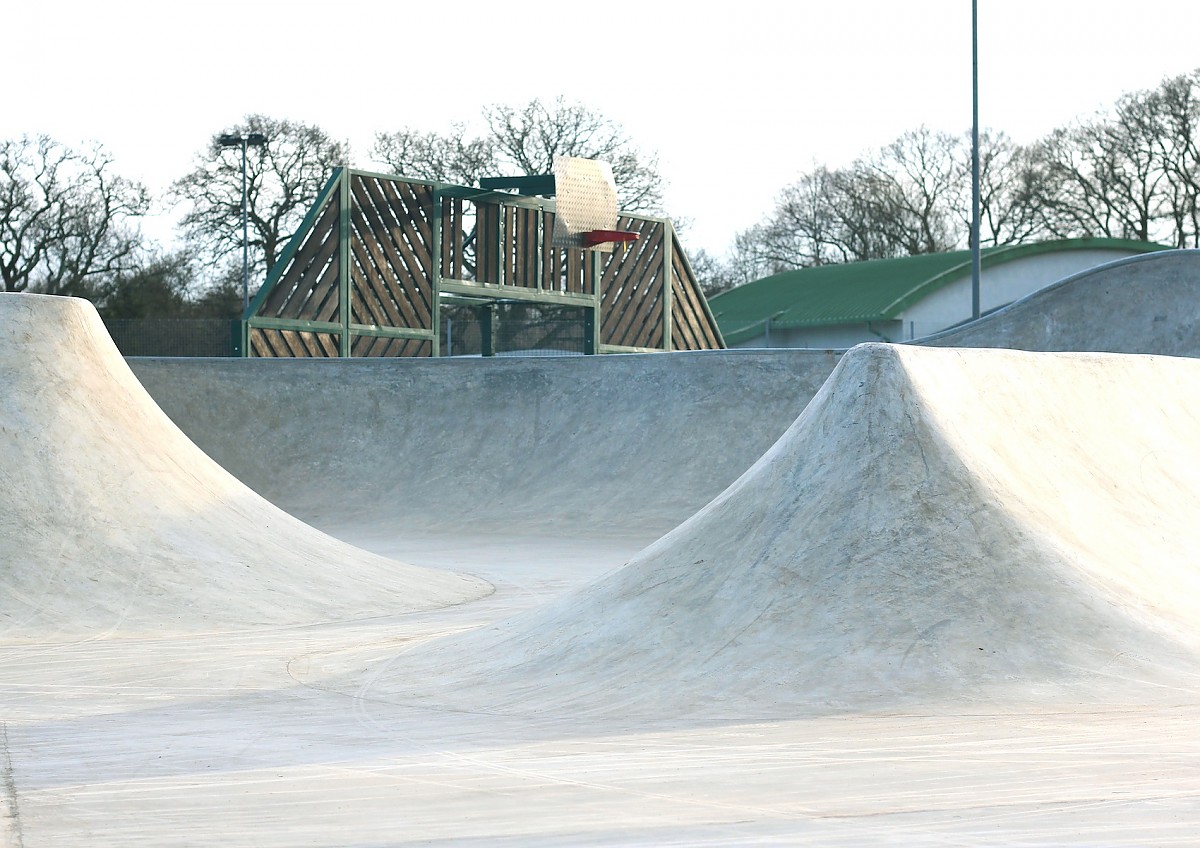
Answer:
[(956, 603), (569, 446), (112, 522), (1144, 304), (940, 527), (588, 446)]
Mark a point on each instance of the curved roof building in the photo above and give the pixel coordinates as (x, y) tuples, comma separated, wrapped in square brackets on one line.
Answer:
[(893, 300)]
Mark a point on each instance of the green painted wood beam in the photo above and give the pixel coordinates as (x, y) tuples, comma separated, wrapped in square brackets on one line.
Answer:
[(498, 292), (542, 184), (263, 323), (335, 328), (435, 268), (627, 349), (376, 331), (591, 344), (479, 195), (668, 273), (293, 245), (343, 260), (487, 329)]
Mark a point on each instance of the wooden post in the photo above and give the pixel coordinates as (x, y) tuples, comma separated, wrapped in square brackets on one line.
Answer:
[(667, 274), (344, 198)]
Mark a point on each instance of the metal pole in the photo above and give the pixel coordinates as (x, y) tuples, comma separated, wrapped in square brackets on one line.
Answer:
[(245, 237), (975, 257)]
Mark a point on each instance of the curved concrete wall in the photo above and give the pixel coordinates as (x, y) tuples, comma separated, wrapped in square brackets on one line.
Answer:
[(516, 443), (1143, 304), (635, 443)]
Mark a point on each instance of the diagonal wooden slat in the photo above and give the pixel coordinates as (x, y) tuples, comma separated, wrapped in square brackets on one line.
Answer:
[(395, 238), (379, 270), (628, 302), (325, 298), (687, 328), (407, 238), (489, 240), (487, 222), (312, 286), (632, 313), (416, 201), (706, 334), (318, 248), (620, 269), (366, 306)]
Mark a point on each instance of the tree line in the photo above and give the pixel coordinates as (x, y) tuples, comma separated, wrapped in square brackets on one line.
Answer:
[(70, 225), (1130, 171)]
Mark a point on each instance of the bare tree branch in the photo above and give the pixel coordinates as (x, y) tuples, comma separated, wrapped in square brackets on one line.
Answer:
[(283, 177), (66, 220), (524, 140)]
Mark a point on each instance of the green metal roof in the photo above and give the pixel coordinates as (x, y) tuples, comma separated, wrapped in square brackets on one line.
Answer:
[(880, 290)]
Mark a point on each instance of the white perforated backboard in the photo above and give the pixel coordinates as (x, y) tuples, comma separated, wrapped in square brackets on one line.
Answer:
[(585, 201)]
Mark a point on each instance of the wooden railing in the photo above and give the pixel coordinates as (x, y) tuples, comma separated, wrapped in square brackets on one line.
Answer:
[(369, 266)]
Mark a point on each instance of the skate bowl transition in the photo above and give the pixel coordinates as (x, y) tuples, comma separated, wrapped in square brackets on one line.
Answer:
[(112, 521), (906, 594), (1140, 304), (629, 444)]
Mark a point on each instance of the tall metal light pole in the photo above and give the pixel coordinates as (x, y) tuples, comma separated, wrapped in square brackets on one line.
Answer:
[(244, 141), (975, 256)]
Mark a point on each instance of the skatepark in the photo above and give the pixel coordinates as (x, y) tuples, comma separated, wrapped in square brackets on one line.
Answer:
[(943, 593)]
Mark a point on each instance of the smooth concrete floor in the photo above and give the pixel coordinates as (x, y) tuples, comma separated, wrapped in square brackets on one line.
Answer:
[(925, 505), (255, 738)]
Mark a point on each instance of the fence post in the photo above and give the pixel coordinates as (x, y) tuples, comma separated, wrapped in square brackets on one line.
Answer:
[(667, 271), (589, 330), (343, 261), (237, 336), (487, 329), (436, 205)]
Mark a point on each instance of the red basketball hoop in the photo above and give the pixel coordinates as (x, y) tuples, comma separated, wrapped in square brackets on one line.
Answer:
[(597, 237)]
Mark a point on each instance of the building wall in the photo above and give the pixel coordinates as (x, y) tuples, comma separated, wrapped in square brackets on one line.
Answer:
[(838, 337), (948, 306), (998, 286)]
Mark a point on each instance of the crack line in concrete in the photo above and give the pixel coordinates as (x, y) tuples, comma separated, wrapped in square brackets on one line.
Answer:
[(10, 790)]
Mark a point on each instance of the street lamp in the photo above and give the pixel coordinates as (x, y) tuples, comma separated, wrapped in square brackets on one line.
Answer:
[(975, 248), (244, 141)]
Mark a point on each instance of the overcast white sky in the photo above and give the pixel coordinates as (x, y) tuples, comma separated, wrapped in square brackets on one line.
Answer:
[(737, 98)]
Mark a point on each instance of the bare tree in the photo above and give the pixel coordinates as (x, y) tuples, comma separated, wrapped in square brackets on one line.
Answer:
[(1177, 138), (523, 140), (1008, 213), (66, 221), (452, 158), (1099, 177), (1132, 172), (159, 288), (283, 177), (893, 202), (529, 137), (910, 190), (1129, 172), (910, 197), (806, 229), (716, 274)]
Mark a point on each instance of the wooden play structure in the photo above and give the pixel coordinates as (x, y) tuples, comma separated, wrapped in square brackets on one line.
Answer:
[(378, 257)]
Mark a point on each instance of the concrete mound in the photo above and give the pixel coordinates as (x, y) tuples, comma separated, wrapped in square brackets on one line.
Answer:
[(947, 527), (556, 446), (112, 522), (1143, 304), (583, 445)]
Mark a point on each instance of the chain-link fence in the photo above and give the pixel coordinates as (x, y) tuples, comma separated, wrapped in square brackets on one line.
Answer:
[(173, 336), (518, 329)]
